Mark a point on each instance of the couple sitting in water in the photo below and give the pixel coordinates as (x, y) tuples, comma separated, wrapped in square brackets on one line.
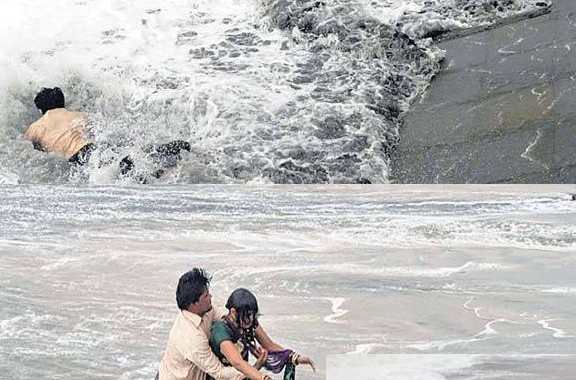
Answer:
[(64, 132), (203, 343)]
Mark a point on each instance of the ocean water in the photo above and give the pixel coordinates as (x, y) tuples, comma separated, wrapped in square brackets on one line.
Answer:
[(88, 273), (284, 91)]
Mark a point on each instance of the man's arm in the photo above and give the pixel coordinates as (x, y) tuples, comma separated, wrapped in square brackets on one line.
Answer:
[(202, 356), (31, 135)]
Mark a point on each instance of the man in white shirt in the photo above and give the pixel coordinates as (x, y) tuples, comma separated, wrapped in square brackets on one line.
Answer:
[(188, 355), (64, 133), (59, 130)]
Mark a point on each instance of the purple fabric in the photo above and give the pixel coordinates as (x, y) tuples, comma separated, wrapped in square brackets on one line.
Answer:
[(277, 360)]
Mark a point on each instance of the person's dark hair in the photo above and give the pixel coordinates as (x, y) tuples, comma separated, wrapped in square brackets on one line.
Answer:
[(49, 98), (190, 286), (245, 304)]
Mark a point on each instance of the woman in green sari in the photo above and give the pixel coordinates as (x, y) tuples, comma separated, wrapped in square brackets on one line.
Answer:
[(235, 336)]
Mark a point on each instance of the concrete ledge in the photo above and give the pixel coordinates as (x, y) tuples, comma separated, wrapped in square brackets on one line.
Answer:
[(502, 111)]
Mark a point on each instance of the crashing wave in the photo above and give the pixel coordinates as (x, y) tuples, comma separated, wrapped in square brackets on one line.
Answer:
[(298, 92)]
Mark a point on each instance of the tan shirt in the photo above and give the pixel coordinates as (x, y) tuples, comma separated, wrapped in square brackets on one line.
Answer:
[(188, 355), (60, 131)]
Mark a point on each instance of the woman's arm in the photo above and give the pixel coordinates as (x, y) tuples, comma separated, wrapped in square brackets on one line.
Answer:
[(301, 359), (231, 353), (266, 342), (272, 346)]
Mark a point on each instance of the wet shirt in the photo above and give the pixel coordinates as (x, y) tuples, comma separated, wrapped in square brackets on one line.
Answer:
[(60, 131), (219, 333), (188, 355)]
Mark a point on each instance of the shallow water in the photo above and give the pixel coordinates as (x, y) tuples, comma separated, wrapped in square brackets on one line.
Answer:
[(88, 273), (278, 91)]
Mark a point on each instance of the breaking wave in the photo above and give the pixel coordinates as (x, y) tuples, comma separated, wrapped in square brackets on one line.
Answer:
[(284, 91)]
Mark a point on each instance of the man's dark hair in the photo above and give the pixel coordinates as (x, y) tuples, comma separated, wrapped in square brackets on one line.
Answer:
[(190, 286), (49, 98), (245, 304)]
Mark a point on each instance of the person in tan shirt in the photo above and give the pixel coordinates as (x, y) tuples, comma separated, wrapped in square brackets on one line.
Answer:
[(188, 355), (64, 132), (59, 130)]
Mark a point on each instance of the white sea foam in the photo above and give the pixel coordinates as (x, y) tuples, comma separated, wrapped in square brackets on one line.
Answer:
[(397, 366), (560, 290), (7, 177), (337, 311), (557, 332), (262, 90), (366, 348), (491, 331), (441, 345), (58, 263), (383, 271), (421, 271), (27, 325)]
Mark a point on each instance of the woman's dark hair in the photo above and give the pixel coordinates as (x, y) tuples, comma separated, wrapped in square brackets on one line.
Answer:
[(190, 286), (49, 98), (245, 304)]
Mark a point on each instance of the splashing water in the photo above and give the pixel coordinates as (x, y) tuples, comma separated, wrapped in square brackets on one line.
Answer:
[(266, 91)]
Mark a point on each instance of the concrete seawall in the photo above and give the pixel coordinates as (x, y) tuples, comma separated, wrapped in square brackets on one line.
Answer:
[(503, 110)]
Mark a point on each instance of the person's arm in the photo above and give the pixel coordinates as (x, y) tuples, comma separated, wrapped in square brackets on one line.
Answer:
[(267, 342), (261, 355), (202, 356), (272, 346), (30, 135), (235, 359), (301, 359)]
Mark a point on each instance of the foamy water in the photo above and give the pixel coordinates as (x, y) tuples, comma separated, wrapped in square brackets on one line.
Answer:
[(266, 91), (88, 273)]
